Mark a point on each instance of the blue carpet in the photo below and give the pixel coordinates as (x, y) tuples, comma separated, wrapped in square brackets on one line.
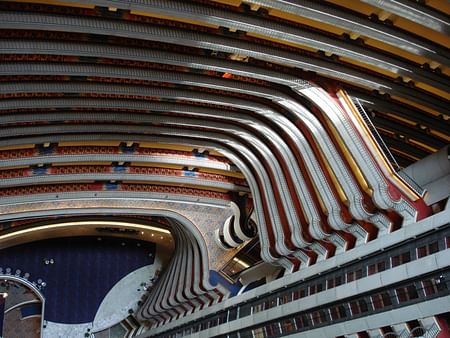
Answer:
[(84, 270)]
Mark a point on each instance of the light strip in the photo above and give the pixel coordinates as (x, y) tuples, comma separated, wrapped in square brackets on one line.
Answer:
[(82, 223), (237, 260)]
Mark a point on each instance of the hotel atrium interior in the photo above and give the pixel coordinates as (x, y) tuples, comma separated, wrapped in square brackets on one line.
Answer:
[(224, 168)]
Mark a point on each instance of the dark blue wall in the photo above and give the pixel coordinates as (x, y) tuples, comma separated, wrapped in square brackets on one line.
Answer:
[(216, 278)]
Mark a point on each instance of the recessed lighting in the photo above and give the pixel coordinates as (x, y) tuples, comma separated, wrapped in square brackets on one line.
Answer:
[(81, 223)]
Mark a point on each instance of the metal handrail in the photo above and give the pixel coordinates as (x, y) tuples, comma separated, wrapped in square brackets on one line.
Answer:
[(375, 133), (413, 185)]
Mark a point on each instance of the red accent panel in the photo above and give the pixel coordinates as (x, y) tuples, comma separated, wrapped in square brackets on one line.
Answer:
[(443, 321)]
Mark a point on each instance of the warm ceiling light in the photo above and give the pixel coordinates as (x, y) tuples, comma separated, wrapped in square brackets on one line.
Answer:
[(241, 262), (81, 223)]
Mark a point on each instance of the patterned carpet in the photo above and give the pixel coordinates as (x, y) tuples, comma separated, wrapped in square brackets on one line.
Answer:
[(16, 327), (83, 271), (20, 312)]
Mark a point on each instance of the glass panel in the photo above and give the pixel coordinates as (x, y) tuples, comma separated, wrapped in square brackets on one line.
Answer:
[(258, 308), (354, 275), (358, 306), (320, 287), (429, 287), (299, 294), (288, 325), (285, 298), (273, 302), (244, 310), (233, 335), (258, 333), (330, 283), (427, 249), (422, 251), (433, 248), (315, 288), (319, 317), (338, 312), (375, 268), (301, 321), (381, 300), (232, 314), (213, 322), (334, 281), (401, 259), (223, 317), (273, 330)]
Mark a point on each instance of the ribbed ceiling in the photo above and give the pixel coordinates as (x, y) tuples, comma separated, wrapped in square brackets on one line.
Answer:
[(390, 55)]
